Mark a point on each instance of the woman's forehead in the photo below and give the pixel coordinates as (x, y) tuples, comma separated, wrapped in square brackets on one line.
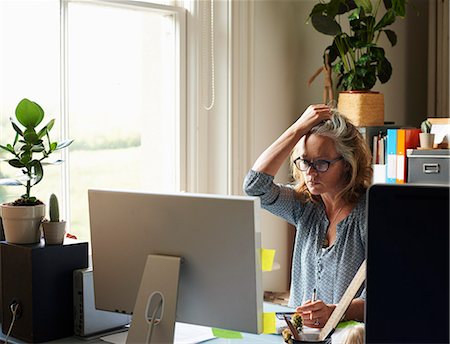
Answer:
[(316, 146)]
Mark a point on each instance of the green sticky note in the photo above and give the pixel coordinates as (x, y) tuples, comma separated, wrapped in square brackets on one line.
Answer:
[(269, 322), (267, 257), (348, 323), (219, 333)]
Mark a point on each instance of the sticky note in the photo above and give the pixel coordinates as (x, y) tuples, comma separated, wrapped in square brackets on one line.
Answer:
[(219, 333), (348, 323), (269, 323), (267, 257)]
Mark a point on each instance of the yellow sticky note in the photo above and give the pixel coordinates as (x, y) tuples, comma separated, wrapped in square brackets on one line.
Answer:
[(219, 333), (269, 322), (267, 257)]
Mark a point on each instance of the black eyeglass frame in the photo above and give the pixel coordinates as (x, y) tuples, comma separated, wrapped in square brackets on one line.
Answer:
[(314, 163)]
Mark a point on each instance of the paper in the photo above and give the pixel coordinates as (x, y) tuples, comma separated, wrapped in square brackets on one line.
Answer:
[(441, 133), (267, 257), (184, 334), (269, 323)]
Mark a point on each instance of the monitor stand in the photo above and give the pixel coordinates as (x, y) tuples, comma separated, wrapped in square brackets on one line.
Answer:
[(156, 302)]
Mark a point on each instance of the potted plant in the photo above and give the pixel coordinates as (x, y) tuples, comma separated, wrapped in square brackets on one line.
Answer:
[(54, 229), (355, 55), (22, 218), (426, 138)]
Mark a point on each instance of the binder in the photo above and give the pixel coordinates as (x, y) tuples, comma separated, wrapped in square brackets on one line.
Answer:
[(391, 155), (401, 160), (406, 139)]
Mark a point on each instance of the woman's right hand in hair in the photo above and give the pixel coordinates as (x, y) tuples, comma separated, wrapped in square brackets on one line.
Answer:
[(313, 115), (273, 157)]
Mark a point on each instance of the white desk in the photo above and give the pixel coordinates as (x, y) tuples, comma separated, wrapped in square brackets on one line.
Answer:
[(247, 337)]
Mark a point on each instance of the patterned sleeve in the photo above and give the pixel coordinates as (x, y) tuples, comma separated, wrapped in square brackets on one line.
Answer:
[(280, 200)]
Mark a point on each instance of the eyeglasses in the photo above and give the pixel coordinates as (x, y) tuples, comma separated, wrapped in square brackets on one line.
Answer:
[(318, 165)]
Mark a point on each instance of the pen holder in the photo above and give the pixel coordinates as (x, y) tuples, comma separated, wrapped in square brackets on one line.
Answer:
[(311, 338)]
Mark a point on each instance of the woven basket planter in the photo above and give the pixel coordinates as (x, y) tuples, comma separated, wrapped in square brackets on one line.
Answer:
[(363, 108)]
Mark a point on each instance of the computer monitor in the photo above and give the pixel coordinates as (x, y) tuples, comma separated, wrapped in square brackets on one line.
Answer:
[(407, 284), (217, 238)]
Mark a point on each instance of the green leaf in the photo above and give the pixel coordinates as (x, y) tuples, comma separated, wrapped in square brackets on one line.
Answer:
[(333, 53), (30, 136), (16, 163), (29, 113), (354, 16), (399, 6), (326, 25), (392, 36), (46, 129), (366, 5), (25, 158), (8, 148), (9, 182), (333, 8), (318, 9), (53, 146), (54, 162), (38, 148), (384, 71), (387, 19), (346, 6), (16, 128), (38, 172), (63, 144)]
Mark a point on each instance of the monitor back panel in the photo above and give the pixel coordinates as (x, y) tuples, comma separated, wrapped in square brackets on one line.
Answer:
[(407, 264)]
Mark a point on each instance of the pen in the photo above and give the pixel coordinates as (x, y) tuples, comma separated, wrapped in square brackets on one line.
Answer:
[(313, 299)]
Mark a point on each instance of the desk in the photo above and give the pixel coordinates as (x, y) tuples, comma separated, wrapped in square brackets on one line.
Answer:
[(247, 337)]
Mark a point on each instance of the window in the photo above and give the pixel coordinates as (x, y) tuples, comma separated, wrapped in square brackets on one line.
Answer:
[(121, 82)]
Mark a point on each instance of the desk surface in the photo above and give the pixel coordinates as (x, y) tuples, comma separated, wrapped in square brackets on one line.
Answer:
[(247, 337)]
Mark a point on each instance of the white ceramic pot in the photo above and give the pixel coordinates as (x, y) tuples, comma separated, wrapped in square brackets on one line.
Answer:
[(54, 232), (22, 224), (426, 140)]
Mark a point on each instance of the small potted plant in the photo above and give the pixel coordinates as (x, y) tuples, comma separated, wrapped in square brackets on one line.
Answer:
[(22, 218), (355, 54), (426, 137), (54, 229)]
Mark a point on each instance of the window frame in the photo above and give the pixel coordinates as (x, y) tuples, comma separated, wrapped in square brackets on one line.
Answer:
[(179, 15)]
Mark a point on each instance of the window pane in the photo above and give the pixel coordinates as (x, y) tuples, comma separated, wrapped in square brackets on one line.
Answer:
[(29, 68), (122, 103)]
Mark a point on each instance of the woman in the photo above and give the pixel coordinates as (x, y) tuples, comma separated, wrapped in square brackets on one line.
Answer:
[(331, 167)]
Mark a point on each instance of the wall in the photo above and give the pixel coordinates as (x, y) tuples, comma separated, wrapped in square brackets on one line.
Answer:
[(287, 52)]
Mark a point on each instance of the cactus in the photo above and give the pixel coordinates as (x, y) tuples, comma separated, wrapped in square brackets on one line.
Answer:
[(297, 321), (425, 126), (54, 208), (287, 335)]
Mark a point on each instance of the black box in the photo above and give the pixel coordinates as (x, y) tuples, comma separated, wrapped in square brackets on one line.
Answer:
[(39, 278)]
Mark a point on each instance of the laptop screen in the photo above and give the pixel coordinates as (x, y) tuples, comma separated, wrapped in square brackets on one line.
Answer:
[(407, 281)]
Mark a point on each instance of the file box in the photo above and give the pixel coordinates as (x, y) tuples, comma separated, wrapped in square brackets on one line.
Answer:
[(428, 166)]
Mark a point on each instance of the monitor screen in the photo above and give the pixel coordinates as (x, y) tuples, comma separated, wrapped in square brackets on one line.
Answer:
[(407, 289), (217, 237)]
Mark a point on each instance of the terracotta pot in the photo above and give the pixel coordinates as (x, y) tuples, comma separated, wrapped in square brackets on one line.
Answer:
[(22, 224), (54, 232), (363, 108)]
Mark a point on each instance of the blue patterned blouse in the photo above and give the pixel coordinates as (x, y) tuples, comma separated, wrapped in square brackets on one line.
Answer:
[(330, 270)]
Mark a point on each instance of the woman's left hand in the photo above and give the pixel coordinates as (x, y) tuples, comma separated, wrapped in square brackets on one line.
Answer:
[(315, 314)]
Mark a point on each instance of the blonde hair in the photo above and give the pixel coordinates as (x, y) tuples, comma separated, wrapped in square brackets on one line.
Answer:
[(355, 335), (352, 147)]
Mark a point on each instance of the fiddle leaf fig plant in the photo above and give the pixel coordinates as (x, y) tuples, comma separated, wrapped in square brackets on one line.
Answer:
[(31, 146), (355, 55)]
